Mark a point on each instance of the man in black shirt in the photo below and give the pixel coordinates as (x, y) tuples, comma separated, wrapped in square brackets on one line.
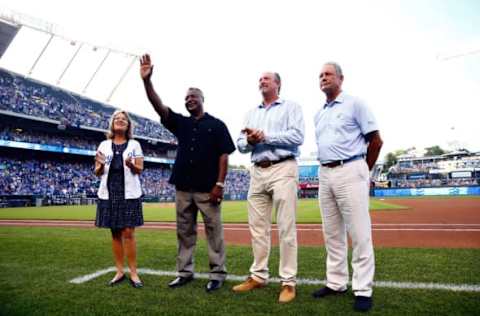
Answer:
[(204, 144)]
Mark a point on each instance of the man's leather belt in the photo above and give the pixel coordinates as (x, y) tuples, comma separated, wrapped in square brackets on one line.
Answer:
[(337, 163), (268, 163)]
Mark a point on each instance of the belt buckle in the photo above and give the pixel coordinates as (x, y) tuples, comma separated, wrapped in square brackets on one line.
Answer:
[(267, 164), (334, 164), (264, 164)]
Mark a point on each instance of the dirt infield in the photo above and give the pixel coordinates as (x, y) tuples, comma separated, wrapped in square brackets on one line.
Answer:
[(427, 223)]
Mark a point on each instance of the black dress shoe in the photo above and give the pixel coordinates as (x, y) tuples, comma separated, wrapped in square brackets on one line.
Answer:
[(136, 284), (114, 281), (213, 285), (363, 303), (326, 291), (180, 281)]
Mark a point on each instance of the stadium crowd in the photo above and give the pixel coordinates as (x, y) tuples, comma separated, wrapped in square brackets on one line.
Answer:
[(7, 133), (236, 183), (34, 177), (31, 98), (428, 183), (452, 164), (52, 177), (68, 141)]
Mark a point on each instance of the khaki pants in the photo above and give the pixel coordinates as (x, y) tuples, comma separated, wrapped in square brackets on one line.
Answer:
[(274, 186), (188, 204), (343, 193)]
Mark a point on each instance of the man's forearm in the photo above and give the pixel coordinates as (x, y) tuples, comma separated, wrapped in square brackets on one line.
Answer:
[(222, 167), (292, 137), (155, 100), (373, 149)]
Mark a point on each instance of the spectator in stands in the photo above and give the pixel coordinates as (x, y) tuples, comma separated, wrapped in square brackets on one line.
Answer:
[(198, 175), (348, 146), (119, 161), (273, 132)]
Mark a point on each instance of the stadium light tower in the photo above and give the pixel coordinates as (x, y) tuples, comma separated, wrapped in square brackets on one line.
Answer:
[(96, 70), (41, 54), (70, 61), (134, 58)]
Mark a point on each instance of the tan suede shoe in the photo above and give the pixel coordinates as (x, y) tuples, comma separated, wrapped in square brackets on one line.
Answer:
[(287, 294), (248, 285)]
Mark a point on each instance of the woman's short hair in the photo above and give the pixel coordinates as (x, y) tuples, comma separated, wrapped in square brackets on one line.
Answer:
[(129, 133)]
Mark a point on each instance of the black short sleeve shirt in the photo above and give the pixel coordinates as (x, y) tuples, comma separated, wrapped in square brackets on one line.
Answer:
[(200, 145)]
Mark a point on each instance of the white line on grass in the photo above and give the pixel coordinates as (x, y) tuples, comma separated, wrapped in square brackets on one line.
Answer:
[(231, 277), (88, 277)]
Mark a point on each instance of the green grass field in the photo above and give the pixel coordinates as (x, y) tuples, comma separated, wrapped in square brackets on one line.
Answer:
[(37, 263), (232, 211)]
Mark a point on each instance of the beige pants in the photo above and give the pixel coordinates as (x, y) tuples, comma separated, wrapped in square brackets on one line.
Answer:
[(343, 193), (274, 186), (188, 204)]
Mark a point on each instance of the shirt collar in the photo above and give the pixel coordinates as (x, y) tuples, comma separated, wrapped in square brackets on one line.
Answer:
[(205, 116), (339, 99), (277, 102)]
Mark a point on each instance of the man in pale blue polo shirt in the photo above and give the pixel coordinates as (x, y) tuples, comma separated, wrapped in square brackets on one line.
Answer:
[(348, 144)]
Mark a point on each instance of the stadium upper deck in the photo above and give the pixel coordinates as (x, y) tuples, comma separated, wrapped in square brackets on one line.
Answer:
[(25, 96)]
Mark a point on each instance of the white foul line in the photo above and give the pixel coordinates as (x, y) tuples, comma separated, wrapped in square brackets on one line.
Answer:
[(88, 277), (231, 277)]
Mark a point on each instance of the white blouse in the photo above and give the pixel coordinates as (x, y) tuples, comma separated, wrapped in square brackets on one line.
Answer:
[(133, 189)]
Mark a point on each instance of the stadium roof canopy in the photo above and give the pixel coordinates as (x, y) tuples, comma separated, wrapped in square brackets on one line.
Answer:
[(61, 60), (7, 33)]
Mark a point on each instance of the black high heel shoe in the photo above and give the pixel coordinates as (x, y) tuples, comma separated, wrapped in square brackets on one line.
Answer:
[(135, 284), (114, 282)]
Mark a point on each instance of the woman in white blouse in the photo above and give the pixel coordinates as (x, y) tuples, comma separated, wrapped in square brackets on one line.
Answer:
[(119, 161)]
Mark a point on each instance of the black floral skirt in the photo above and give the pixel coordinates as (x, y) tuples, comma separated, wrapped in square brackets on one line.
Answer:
[(118, 214)]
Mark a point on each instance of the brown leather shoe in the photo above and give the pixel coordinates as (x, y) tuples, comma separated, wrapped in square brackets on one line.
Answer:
[(287, 294), (248, 285)]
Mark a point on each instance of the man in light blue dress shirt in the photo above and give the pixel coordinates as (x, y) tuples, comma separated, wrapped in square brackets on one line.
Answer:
[(273, 132), (348, 144)]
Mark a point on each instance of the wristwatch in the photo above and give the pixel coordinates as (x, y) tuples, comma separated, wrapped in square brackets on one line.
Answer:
[(220, 184)]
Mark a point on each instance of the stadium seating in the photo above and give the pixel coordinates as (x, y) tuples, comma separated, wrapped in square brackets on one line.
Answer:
[(462, 169), (26, 96), (55, 178)]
